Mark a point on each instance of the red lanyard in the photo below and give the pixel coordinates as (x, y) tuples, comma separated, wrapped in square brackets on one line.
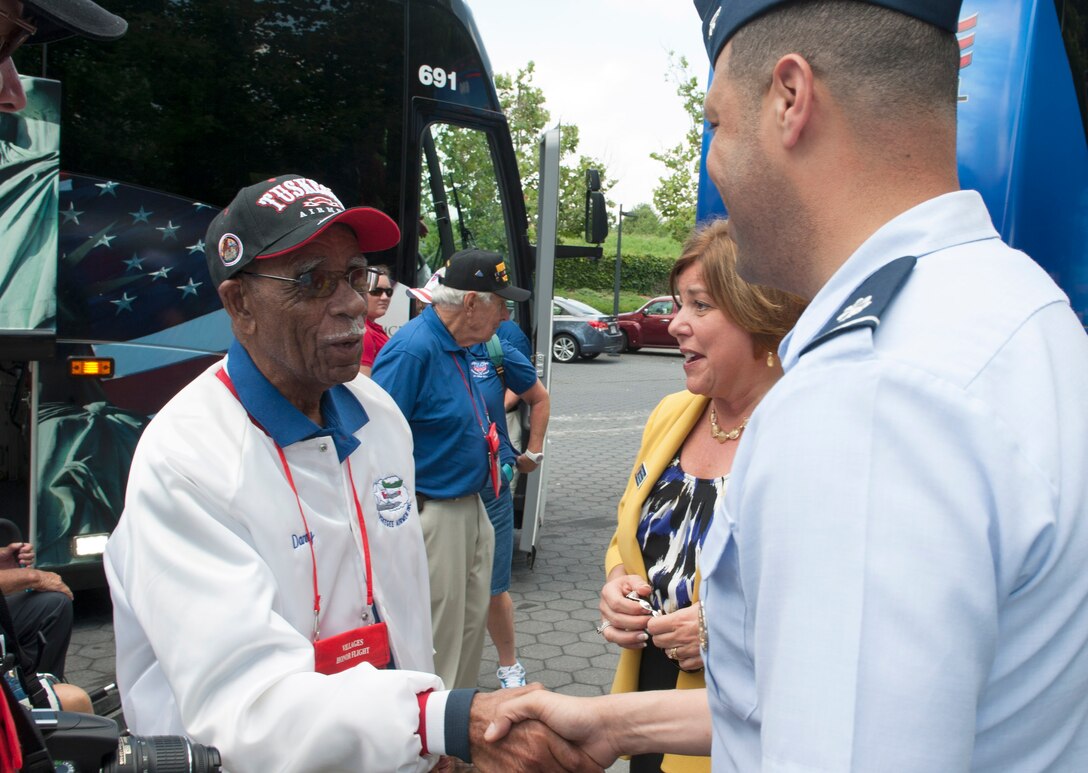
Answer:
[(471, 397), (225, 378)]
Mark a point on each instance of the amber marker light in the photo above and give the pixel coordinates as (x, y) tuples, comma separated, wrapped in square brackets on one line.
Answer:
[(90, 367)]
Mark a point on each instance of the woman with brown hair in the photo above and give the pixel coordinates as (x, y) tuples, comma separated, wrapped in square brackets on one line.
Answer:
[(728, 331)]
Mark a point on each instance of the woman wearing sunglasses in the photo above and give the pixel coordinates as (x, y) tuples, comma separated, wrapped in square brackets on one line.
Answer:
[(377, 304)]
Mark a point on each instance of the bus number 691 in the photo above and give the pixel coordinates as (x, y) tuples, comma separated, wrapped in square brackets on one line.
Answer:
[(437, 77)]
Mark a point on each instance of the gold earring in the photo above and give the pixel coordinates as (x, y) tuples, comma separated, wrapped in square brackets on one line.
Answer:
[(770, 359)]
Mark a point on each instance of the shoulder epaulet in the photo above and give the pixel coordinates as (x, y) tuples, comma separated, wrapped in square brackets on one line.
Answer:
[(867, 302)]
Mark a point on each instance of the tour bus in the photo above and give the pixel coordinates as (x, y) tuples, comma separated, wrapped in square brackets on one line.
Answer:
[(391, 103), (1021, 132)]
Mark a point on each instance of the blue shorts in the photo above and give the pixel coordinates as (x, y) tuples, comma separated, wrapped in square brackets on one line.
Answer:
[(501, 512)]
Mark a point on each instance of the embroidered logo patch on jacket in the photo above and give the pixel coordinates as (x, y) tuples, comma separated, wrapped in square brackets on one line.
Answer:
[(392, 500)]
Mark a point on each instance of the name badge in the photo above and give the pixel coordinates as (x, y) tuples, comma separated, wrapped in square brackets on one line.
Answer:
[(368, 644)]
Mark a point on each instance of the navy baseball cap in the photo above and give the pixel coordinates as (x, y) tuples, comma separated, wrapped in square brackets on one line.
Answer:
[(482, 271), (722, 18), (282, 214), (59, 19)]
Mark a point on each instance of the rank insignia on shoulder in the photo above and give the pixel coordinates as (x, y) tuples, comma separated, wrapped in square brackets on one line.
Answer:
[(640, 475), (867, 302)]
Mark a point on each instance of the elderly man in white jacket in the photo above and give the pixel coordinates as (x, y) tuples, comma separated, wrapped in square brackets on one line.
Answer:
[(268, 574)]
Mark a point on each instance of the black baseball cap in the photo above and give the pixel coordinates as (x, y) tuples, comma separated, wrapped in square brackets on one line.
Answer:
[(482, 271), (59, 19), (722, 18), (282, 214)]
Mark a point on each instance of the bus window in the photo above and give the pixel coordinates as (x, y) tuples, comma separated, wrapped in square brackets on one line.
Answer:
[(460, 200)]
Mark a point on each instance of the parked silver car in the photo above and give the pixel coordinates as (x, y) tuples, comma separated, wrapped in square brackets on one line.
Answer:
[(579, 330)]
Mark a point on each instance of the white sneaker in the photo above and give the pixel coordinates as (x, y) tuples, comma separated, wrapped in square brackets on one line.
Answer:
[(511, 676)]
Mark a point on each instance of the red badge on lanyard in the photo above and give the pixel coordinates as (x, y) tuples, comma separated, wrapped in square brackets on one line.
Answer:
[(365, 644), (493, 456)]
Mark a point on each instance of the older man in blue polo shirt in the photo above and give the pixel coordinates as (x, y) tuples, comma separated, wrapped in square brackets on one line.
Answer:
[(427, 369)]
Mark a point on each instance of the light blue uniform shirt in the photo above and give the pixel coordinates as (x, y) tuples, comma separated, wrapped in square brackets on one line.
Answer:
[(898, 580)]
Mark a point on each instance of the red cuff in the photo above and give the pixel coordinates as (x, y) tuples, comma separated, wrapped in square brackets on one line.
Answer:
[(422, 729)]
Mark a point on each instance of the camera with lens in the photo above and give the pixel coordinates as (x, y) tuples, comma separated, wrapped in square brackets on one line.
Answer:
[(79, 743)]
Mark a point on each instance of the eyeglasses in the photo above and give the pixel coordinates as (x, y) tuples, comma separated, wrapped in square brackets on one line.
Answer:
[(10, 42), (377, 292), (320, 283)]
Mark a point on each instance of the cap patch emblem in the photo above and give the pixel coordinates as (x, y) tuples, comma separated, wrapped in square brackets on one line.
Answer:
[(323, 201), (230, 249), (500, 273)]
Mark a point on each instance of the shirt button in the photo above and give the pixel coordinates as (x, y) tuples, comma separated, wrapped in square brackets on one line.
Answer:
[(324, 447)]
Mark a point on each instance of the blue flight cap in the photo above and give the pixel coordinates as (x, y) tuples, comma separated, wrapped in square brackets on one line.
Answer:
[(722, 18)]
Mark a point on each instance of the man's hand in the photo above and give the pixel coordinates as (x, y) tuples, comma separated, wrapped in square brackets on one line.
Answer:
[(47, 581), (529, 746), (17, 554), (576, 719), (526, 465), (677, 634)]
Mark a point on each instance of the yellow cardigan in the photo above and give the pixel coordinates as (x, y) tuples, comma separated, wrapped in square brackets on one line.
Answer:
[(667, 428)]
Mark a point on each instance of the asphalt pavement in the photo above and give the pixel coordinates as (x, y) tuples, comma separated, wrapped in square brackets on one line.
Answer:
[(599, 408)]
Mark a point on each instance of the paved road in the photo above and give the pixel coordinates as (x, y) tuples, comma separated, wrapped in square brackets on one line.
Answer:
[(598, 411)]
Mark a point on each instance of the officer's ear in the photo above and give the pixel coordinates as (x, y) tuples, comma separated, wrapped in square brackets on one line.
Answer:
[(238, 301)]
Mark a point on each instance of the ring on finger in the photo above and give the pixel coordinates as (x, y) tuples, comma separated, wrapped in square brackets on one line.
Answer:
[(604, 624), (671, 653)]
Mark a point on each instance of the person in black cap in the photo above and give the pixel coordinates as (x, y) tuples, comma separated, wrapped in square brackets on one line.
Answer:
[(268, 573), (433, 377), (46, 21), (896, 581)]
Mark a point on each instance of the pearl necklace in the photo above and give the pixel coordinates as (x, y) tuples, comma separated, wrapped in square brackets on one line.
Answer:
[(716, 431)]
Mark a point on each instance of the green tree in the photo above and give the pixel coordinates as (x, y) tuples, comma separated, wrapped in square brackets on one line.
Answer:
[(524, 105), (643, 220), (676, 193)]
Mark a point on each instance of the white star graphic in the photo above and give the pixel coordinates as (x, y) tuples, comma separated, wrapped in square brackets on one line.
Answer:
[(141, 215), (161, 273), (169, 231), (134, 263), (189, 289), (107, 187), (71, 215), (124, 304), (198, 247), (104, 239)]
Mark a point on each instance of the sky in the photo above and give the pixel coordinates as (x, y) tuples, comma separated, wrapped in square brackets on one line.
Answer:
[(603, 66)]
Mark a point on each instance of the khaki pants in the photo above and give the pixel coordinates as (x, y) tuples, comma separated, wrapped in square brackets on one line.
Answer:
[(460, 548)]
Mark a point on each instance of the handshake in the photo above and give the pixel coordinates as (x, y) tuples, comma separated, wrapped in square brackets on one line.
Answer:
[(531, 729)]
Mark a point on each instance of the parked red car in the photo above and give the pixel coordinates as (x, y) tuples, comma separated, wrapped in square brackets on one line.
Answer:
[(649, 326)]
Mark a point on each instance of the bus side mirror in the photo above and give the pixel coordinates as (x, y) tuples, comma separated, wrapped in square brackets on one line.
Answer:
[(596, 209)]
